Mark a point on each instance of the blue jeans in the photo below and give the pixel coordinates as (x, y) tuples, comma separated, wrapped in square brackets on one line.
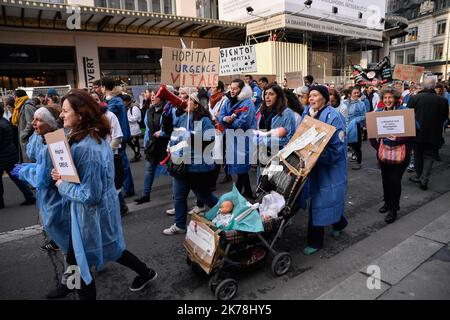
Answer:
[(128, 184), (181, 190), (150, 170)]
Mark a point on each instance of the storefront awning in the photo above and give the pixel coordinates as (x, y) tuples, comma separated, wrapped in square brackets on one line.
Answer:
[(31, 14)]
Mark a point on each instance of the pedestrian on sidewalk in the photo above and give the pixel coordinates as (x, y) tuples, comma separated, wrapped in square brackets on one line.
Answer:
[(8, 158), (431, 112), (392, 169), (327, 183), (96, 235)]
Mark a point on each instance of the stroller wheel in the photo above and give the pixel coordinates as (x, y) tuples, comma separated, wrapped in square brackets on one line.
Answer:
[(281, 264), (226, 289), (213, 283)]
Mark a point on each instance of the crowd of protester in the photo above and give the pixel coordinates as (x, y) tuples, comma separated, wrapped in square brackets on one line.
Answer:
[(102, 122)]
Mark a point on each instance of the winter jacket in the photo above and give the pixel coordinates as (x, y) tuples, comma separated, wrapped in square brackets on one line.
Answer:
[(431, 112), (8, 150), (25, 128)]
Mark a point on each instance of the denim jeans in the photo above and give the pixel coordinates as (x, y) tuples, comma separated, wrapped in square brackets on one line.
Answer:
[(181, 190), (150, 170), (128, 184)]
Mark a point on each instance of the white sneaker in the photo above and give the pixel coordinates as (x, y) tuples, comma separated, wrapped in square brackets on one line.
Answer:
[(173, 230), (197, 210), (171, 212)]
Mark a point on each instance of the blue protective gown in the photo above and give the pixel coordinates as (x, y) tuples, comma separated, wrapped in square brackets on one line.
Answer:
[(93, 205), (55, 221), (327, 182), (287, 121), (356, 115), (245, 119)]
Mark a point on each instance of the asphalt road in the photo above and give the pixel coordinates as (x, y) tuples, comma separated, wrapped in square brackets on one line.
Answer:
[(28, 273)]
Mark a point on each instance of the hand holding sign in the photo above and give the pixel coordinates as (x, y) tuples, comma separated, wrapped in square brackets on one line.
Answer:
[(59, 151)]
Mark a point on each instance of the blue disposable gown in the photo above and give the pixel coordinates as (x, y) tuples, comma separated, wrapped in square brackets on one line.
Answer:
[(287, 121), (245, 120), (55, 221), (327, 182), (96, 228), (356, 115), (201, 131)]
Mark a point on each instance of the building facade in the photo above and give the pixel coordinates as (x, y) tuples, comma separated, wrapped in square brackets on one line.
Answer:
[(427, 41), (76, 41)]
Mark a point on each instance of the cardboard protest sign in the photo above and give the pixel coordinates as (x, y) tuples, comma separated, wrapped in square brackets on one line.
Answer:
[(59, 151), (379, 74), (237, 60), (407, 72), (190, 67), (399, 123), (201, 243), (294, 79)]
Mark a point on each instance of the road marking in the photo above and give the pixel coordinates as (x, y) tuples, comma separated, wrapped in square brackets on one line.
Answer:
[(20, 234)]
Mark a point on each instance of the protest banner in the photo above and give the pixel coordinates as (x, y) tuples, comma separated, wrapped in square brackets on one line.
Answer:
[(190, 67), (238, 60), (379, 74), (398, 123), (294, 79), (59, 151), (407, 72)]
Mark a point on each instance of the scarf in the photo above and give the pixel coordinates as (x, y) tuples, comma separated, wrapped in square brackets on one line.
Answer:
[(16, 113), (266, 119), (215, 98)]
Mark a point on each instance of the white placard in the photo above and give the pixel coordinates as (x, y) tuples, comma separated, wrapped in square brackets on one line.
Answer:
[(391, 125), (201, 238), (62, 158), (238, 60), (301, 142)]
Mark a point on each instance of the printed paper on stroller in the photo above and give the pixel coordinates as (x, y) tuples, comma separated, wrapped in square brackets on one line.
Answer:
[(201, 238)]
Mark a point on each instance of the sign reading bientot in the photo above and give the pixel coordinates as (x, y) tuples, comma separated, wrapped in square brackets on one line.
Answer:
[(237, 60), (190, 67)]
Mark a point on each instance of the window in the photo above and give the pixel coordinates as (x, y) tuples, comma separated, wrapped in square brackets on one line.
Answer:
[(159, 6), (399, 57), (412, 34), (441, 4), (441, 25), (438, 51), (207, 9), (410, 56)]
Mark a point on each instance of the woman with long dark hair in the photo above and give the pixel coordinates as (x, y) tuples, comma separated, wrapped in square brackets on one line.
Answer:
[(96, 235)]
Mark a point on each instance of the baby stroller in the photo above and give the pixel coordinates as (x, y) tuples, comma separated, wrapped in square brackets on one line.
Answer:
[(287, 176)]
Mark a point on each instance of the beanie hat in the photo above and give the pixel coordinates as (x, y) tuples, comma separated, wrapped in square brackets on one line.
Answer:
[(52, 92), (19, 93), (323, 91), (195, 96)]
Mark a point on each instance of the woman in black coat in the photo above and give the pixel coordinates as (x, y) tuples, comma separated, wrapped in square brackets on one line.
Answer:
[(8, 157)]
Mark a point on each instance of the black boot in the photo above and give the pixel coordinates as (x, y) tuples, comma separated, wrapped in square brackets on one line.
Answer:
[(383, 209), (2, 203), (142, 199), (391, 217)]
